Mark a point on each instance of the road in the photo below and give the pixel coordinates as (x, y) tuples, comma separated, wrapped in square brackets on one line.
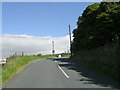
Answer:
[(58, 73)]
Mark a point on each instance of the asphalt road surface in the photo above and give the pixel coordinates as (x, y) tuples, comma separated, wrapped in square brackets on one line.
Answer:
[(58, 73)]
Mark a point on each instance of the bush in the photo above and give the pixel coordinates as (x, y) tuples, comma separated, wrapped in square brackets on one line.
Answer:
[(103, 60)]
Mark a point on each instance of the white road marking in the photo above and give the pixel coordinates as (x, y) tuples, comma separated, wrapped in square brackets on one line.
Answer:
[(55, 61), (63, 71)]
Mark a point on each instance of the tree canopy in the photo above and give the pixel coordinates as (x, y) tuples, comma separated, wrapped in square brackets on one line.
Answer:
[(98, 25)]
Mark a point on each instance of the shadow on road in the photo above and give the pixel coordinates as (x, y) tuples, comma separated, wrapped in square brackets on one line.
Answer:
[(90, 76)]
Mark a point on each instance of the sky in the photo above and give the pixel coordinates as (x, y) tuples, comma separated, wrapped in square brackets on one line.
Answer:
[(53, 0), (41, 19), (31, 26)]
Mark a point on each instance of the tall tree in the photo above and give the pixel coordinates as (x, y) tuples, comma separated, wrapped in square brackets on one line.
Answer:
[(98, 25)]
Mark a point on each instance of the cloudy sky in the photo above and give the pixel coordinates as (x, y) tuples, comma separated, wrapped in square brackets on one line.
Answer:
[(30, 27), (32, 45)]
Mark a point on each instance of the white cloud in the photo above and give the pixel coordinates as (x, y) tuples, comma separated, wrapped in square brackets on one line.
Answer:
[(31, 45)]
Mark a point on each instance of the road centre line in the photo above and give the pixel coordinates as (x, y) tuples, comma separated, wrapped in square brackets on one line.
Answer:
[(63, 72)]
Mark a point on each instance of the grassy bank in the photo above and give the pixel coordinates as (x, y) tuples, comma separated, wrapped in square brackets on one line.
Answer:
[(104, 60), (17, 63)]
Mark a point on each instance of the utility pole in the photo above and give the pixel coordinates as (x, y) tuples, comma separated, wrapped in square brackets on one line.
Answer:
[(15, 54), (70, 39), (53, 50), (22, 53)]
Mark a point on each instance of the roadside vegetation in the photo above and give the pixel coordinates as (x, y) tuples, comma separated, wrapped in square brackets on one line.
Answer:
[(17, 63), (96, 42)]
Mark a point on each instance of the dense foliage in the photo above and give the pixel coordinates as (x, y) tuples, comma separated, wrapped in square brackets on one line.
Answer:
[(98, 25), (96, 41)]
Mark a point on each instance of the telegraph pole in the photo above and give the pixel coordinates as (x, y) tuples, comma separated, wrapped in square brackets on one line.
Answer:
[(53, 50), (22, 53), (70, 40)]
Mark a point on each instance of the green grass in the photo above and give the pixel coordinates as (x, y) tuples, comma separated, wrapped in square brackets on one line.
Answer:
[(17, 63), (0, 77)]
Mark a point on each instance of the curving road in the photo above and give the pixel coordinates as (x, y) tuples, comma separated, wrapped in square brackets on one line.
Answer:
[(58, 73)]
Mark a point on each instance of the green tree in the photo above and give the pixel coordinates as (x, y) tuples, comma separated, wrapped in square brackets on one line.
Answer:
[(98, 25)]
